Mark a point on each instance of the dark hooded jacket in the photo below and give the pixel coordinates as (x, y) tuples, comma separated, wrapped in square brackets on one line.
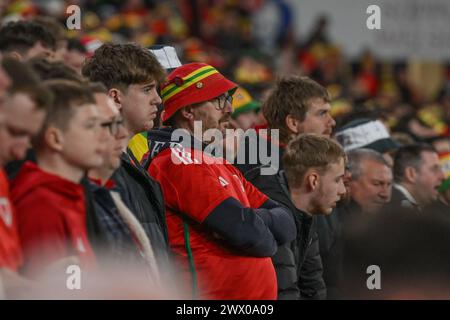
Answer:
[(298, 264), (144, 198)]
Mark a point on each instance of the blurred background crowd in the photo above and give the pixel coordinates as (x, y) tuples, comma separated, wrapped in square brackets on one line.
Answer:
[(411, 96)]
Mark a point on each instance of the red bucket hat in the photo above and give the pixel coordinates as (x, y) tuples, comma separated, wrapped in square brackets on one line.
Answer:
[(192, 83)]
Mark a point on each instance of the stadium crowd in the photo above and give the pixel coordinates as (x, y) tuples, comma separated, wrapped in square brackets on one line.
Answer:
[(113, 140)]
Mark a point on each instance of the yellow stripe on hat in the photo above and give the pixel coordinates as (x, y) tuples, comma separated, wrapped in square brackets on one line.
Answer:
[(189, 80), (445, 163), (185, 78)]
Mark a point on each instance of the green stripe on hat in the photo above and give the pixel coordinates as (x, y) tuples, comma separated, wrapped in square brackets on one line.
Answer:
[(173, 89)]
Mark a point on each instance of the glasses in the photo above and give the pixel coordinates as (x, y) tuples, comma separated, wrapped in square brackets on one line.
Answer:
[(113, 126), (222, 101)]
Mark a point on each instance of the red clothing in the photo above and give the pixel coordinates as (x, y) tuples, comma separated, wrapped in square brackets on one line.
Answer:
[(195, 190), (51, 216), (10, 252)]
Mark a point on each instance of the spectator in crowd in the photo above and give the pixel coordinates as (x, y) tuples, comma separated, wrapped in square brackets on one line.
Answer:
[(368, 134), (22, 115), (24, 111), (126, 241), (245, 109), (48, 197), (120, 211), (369, 189), (25, 40), (168, 58), (417, 175), (232, 229), (131, 75), (295, 105), (371, 181), (10, 250)]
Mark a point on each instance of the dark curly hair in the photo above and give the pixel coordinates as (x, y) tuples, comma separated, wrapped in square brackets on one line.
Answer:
[(23, 35), (121, 65)]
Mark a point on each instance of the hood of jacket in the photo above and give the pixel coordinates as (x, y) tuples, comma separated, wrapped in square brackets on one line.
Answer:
[(31, 177)]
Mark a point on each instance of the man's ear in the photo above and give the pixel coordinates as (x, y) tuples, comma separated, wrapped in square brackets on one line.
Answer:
[(410, 174), (293, 124), (312, 180), (117, 97), (15, 55), (54, 139)]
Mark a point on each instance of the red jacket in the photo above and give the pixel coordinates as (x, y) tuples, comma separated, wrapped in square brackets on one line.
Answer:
[(195, 190), (10, 253), (51, 218)]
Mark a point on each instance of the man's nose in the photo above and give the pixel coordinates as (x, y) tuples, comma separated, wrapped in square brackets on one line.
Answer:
[(332, 121), (342, 190), (122, 132), (385, 193), (228, 108), (104, 134), (157, 100)]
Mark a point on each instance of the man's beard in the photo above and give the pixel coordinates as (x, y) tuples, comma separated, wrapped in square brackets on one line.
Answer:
[(224, 123), (318, 206)]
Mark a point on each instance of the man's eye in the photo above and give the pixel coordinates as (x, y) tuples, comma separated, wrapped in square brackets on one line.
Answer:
[(16, 132)]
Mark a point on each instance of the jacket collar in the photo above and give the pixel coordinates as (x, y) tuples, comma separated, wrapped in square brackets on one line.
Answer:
[(406, 194)]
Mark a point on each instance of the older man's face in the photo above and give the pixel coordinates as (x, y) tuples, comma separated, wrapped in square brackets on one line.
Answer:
[(373, 188)]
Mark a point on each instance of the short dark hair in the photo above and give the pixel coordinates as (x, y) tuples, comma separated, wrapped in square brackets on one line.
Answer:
[(97, 87), (291, 96), (121, 65), (51, 24), (23, 35), (409, 156), (25, 80), (54, 70)]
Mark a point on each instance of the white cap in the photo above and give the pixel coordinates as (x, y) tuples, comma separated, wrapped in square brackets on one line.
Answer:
[(167, 56)]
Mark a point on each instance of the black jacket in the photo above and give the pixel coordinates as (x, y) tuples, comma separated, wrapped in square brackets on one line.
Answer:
[(144, 197), (298, 264), (330, 229), (399, 201)]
